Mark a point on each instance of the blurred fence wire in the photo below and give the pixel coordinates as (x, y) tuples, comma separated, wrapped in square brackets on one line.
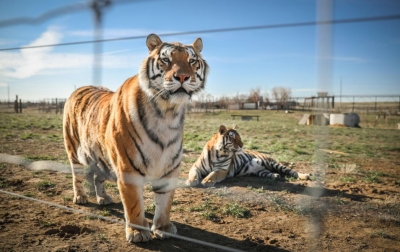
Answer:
[(324, 25), (220, 30)]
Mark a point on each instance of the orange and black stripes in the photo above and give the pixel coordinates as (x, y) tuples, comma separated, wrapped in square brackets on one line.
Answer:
[(135, 135), (224, 152)]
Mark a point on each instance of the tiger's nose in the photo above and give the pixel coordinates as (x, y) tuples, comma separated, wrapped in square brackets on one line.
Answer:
[(181, 78)]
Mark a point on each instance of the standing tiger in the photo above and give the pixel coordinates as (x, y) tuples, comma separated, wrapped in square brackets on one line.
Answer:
[(134, 135), (223, 157)]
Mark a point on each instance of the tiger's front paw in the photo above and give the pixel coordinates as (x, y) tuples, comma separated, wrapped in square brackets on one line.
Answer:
[(80, 199), (275, 176), (304, 176), (163, 232), (192, 182), (106, 200), (208, 182), (134, 236)]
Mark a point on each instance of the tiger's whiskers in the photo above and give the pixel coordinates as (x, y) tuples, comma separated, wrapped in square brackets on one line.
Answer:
[(158, 95)]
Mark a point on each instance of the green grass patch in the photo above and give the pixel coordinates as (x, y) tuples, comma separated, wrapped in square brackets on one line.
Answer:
[(103, 237), (236, 211), (347, 179), (112, 187), (66, 199), (105, 212), (41, 158), (151, 209), (47, 224), (29, 135), (374, 176), (383, 235), (257, 190), (210, 215), (3, 183), (207, 210), (28, 194), (300, 151), (43, 185), (191, 145)]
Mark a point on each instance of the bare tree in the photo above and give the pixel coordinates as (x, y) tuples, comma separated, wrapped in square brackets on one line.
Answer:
[(223, 102), (266, 97), (255, 95), (281, 95), (201, 101), (241, 98)]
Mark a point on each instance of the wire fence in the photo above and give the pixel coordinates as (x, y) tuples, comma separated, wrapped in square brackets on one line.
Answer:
[(324, 25), (78, 211)]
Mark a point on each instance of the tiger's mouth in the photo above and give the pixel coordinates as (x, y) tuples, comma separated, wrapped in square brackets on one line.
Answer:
[(182, 90), (235, 150)]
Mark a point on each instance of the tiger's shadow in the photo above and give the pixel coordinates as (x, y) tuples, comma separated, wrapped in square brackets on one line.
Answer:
[(296, 187), (190, 232)]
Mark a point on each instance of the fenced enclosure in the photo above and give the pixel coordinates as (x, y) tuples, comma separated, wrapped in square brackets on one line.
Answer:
[(54, 105), (351, 203)]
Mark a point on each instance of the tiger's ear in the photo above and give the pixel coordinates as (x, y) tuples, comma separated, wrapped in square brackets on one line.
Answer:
[(153, 41), (222, 129), (235, 127), (198, 44)]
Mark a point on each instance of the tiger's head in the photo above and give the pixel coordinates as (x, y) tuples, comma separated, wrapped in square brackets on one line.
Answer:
[(228, 140), (173, 71)]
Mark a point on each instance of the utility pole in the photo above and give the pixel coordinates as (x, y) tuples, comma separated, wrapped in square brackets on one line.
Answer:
[(8, 91), (340, 92)]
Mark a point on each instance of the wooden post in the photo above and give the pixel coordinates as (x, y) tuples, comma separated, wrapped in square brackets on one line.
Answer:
[(16, 104)]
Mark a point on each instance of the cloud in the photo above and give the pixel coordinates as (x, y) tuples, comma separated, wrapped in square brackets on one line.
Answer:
[(16, 65), (30, 61)]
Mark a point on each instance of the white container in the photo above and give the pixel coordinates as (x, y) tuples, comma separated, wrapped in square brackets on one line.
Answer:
[(350, 120)]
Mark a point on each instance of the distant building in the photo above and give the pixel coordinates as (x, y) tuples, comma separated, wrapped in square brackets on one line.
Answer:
[(322, 100)]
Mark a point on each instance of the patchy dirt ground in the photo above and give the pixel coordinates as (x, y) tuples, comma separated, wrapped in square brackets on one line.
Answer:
[(327, 214)]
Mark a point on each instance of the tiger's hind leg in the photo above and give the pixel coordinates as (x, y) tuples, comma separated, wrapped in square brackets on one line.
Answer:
[(78, 178), (256, 168), (286, 171), (304, 176), (101, 195), (89, 174)]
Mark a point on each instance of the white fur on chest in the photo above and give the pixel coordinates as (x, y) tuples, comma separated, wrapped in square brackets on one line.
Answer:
[(161, 142)]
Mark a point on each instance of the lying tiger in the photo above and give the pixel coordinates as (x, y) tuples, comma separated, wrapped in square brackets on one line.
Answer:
[(223, 157)]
